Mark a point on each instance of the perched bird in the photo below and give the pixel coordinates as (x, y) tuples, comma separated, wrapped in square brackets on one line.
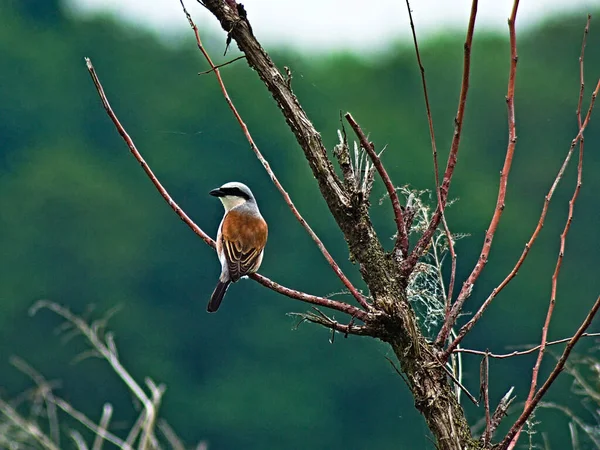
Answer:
[(241, 237)]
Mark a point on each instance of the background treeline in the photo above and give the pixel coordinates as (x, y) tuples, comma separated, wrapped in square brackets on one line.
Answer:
[(80, 223)]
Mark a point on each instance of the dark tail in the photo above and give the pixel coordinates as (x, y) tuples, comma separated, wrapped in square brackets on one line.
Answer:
[(217, 296)]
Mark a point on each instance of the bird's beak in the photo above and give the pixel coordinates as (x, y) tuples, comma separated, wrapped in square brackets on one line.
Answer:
[(217, 193)]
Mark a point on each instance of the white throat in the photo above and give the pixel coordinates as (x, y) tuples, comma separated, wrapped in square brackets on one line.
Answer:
[(230, 202)]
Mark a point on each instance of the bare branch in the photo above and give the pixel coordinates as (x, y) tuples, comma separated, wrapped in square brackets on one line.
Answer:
[(530, 406), (467, 287), (88, 423), (409, 264), (436, 171), (519, 353), (336, 268), (467, 327), (150, 404), (340, 306)]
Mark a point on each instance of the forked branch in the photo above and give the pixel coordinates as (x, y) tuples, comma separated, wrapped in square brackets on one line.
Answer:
[(340, 306), (336, 268)]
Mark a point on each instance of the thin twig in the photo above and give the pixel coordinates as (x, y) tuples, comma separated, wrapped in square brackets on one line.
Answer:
[(340, 306), (485, 393), (423, 242), (88, 423), (218, 66), (467, 287), (336, 268), (402, 240), (467, 327), (106, 353), (521, 352), (435, 162), (563, 238), (516, 427), (574, 419)]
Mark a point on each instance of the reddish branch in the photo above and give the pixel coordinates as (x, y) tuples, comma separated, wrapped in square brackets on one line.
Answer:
[(508, 439), (435, 162), (402, 240), (339, 306), (423, 242), (563, 238), (489, 235), (338, 271), (467, 327)]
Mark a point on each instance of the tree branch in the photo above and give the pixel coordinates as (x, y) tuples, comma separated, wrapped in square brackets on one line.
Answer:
[(436, 171), (467, 287), (340, 306), (409, 264), (357, 295), (508, 439), (471, 323)]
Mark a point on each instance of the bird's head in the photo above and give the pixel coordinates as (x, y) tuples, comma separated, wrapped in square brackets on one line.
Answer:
[(233, 194)]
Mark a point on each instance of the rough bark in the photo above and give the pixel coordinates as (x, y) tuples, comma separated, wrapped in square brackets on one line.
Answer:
[(391, 318)]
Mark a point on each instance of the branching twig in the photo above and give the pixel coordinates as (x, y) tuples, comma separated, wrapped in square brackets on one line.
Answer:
[(402, 240), (88, 423), (516, 427), (441, 206), (336, 268), (150, 403), (467, 327), (518, 353), (409, 264), (340, 306), (467, 287)]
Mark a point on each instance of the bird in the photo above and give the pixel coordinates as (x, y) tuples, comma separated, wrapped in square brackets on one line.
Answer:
[(241, 238)]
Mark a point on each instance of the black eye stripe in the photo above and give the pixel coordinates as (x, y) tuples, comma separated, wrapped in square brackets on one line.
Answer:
[(235, 191)]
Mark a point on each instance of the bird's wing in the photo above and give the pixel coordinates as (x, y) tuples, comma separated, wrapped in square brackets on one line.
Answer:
[(240, 262), (243, 239)]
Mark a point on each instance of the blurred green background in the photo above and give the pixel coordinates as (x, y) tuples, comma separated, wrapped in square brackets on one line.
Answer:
[(81, 224)]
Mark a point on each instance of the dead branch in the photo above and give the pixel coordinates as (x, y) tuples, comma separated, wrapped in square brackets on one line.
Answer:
[(150, 403)]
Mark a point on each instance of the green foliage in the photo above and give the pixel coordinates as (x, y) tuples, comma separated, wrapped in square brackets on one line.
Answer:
[(82, 224)]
